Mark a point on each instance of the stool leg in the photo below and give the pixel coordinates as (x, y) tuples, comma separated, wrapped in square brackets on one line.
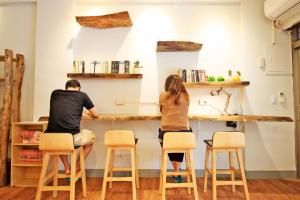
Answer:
[(111, 166), (132, 151), (55, 170), (231, 165), (73, 175), (214, 175), (106, 169), (161, 172), (188, 170), (164, 175), (137, 170), (206, 167), (191, 161), (83, 175), (242, 171), (42, 176)]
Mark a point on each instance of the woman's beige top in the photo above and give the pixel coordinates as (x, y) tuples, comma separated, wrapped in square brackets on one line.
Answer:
[(174, 117)]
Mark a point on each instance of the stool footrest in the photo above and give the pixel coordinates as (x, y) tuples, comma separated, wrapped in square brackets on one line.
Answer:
[(179, 185), (182, 173), (49, 177), (224, 171), (121, 169), (51, 188), (236, 171), (119, 179), (229, 183), (78, 174)]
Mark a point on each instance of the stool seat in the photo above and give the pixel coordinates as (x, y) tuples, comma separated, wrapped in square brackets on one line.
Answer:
[(231, 142), (54, 145), (115, 140), (178, 142)]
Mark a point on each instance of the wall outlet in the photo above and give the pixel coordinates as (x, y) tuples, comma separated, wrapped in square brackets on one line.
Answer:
[(120, 102), (202, 102)]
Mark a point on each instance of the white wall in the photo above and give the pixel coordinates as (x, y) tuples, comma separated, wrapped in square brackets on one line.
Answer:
[(270, 146), (17, 32), (233, 36)]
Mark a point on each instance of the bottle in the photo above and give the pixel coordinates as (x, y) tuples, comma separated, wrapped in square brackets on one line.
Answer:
[(75, 66), (82, 67), (126, 66)]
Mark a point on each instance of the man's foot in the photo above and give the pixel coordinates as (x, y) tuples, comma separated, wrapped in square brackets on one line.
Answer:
[(67, 172)]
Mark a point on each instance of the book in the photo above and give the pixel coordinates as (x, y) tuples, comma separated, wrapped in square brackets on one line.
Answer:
[(197, 75), (184, 75), (117, 67), (192, 75)]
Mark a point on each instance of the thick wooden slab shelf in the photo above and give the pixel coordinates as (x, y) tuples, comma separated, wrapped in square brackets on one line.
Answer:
[(170, 46), (103, 76), (240, 118), (217, 84), (2, 58), (114, 20)]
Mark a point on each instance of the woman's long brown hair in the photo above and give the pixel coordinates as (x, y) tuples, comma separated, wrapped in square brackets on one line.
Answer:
[(175, 87)]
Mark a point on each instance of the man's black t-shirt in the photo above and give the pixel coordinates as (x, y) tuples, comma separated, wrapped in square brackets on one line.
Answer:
[(66, 108)]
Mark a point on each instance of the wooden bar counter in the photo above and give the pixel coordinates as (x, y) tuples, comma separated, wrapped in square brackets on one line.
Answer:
[(239, 118)]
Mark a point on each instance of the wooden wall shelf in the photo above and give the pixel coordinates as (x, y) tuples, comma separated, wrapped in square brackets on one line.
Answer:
[(103, 76), (170, 46), (2, 58), (114, 20), (217, 84), (240, 118)]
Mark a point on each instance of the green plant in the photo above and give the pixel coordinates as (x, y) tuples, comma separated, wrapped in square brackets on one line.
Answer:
[(229, 72), (220, 78), (211, 79)]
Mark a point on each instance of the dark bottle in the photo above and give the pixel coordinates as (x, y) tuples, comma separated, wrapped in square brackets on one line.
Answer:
[(83, 66), (126, 66)]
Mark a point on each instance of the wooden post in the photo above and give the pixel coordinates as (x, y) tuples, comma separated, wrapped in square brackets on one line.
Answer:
[(17, 87), (6, 116)]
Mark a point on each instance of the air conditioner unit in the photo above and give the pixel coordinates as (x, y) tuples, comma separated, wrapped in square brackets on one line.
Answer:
[(285, 13)]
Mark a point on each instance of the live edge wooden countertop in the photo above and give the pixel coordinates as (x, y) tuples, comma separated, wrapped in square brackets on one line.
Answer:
[(240, 118)]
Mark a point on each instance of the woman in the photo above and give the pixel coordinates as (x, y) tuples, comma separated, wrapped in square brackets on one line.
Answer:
[(174, 106)]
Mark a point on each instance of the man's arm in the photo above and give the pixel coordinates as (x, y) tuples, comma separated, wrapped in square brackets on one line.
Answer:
[(92, 112)]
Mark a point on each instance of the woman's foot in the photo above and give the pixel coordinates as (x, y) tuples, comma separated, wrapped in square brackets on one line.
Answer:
[(177, 179)]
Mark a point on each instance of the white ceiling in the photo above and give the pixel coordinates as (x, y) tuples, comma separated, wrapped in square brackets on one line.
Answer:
[(157, 1), (135, 1)]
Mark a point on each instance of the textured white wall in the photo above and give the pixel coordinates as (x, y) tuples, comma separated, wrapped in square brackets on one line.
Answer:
[(270, 146), (233, 38), (17, 32)]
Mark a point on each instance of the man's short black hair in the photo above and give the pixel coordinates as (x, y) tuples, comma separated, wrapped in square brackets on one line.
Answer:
[(73, 84)]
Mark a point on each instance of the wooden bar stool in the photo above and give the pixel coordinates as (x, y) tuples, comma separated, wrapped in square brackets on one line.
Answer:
[(56, 144), (231, 142), (120, 139), (178, 142)]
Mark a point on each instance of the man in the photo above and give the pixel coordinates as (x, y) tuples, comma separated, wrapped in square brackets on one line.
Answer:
[(66, 107)]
